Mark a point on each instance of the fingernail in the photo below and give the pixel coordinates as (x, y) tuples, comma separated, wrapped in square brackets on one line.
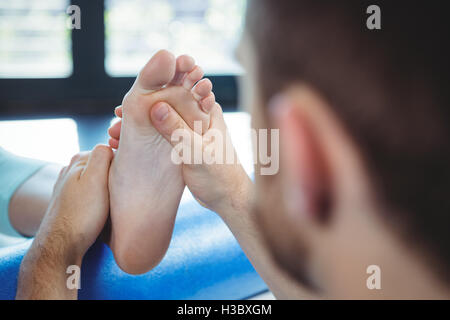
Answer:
[(161, 112)]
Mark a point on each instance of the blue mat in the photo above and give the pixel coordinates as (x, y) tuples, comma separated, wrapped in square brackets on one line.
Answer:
[(204, 261)]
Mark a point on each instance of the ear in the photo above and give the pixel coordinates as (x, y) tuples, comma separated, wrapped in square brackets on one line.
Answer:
[(304, 172)]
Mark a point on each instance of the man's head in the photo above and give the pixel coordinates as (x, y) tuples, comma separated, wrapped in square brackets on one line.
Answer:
[(364, 125)]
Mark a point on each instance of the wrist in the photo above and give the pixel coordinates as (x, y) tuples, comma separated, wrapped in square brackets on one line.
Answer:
[(237, 200), (58, 248), (59, 238)]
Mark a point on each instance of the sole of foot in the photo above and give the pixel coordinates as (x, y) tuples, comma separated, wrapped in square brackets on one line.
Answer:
[(145, 185)]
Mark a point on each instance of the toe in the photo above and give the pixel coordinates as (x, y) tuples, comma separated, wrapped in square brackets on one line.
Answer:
[(208, 102), (193, 77), (114, 130), (113, 143), (157, 72), (202, 89), (184, 65), (118, 111), (80, 156)]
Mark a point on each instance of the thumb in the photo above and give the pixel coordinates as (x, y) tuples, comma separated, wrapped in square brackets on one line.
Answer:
[(167, 121)]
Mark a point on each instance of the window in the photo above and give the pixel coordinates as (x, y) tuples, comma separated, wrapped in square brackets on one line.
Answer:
[(34, 40), (54, 140), (206, 29), (47, 68)]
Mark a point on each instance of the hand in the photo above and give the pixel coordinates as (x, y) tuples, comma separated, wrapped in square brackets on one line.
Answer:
[(218, 183), (75, 217), (225, 189), (80, 202), (220, 186)]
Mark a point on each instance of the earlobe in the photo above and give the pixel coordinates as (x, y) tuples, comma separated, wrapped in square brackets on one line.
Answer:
[(303, 170)]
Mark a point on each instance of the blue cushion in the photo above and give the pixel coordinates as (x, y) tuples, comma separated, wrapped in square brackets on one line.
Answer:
[(204, 261)]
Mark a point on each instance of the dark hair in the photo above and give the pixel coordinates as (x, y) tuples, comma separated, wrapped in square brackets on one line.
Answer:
[(389, 87)]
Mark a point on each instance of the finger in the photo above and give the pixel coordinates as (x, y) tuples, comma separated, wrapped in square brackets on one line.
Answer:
[(80, 156), (167, 121), (98, 163), (61, 176), (62, 172)]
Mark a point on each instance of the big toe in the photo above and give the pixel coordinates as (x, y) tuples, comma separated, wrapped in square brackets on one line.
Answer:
[(158, 71)]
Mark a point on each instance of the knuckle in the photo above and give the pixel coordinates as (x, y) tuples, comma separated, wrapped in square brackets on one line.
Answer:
[(75, 157), (218, 107), (177, 124), (173, 126), (62, 171), (102, 151)]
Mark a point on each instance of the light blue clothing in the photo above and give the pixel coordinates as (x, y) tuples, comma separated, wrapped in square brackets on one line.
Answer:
[(14, 171)]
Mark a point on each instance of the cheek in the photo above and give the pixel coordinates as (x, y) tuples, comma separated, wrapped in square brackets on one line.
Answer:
[(269, 208), (289, 250)]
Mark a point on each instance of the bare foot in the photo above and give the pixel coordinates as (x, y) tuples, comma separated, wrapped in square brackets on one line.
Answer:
[(145, 185)]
